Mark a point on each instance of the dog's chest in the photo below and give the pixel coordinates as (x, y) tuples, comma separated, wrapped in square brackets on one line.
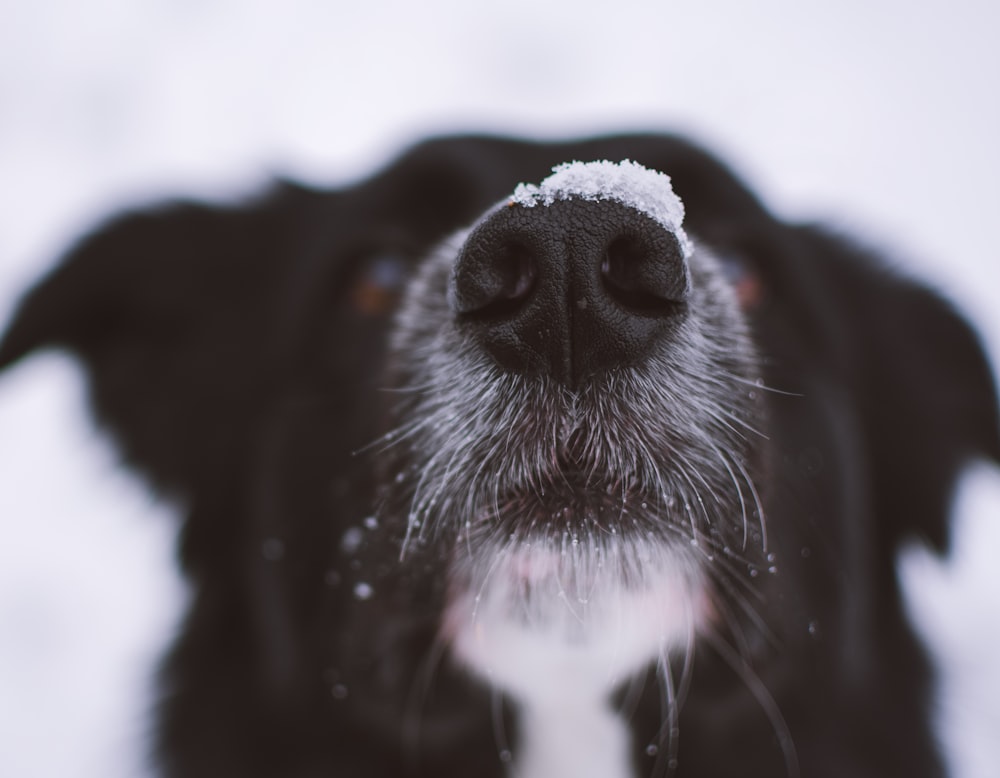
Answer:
[(558, 642)]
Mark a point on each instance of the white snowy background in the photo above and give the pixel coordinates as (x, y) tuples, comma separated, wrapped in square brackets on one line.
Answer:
[(879, 116)]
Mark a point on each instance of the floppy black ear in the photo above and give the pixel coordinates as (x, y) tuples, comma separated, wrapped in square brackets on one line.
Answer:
[(192, 319), (936, 398), (168, 309), (928, 393)]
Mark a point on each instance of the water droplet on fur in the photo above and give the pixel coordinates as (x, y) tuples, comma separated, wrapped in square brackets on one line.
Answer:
[(272, 549), (339, 691), (770, 557), (652, 749), (814, 628), (754, 572), (363, 591), (752, 395), (772, 569), (645, 506), (400, 477), (350, 541), (370, 522), (506, 756)]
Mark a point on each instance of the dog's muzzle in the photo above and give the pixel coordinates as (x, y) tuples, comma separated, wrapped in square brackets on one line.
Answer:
[(572, 366)]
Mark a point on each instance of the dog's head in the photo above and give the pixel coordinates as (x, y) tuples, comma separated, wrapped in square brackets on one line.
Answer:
[(614, 409)]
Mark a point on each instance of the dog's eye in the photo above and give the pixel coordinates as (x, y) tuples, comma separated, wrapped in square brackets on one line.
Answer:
[(379, 282), (744, 279)]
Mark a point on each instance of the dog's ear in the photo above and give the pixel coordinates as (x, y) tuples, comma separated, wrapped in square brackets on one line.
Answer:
[(936, 400), (191, 319), (168, 310), (928, 394)]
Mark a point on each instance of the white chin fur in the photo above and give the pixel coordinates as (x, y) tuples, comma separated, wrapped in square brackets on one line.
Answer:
[(558, 628)]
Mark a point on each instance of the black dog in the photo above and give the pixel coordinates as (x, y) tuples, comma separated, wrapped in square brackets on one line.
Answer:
[(554, 481)]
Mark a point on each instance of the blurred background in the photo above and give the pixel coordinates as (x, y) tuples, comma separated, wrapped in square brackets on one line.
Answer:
[(880, 117)]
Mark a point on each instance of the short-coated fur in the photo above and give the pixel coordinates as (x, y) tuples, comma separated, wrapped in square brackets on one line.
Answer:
[(354, 469)]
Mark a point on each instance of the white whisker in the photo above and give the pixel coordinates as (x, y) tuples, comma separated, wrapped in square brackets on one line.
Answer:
[(760, 693)]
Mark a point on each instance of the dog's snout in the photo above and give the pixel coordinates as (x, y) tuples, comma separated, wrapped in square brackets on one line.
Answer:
[(569, 289)]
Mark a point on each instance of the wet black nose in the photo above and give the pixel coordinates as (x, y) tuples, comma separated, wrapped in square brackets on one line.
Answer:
[(570, 289)]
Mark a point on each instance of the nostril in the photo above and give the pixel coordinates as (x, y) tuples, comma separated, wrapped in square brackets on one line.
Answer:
[(495, 285), (516, 267), (643, 277), (620, 267)]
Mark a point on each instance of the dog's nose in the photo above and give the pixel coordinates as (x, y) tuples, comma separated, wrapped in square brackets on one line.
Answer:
[(571, 289)]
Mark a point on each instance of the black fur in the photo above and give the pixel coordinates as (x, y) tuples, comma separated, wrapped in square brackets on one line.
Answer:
[(239, 358)]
